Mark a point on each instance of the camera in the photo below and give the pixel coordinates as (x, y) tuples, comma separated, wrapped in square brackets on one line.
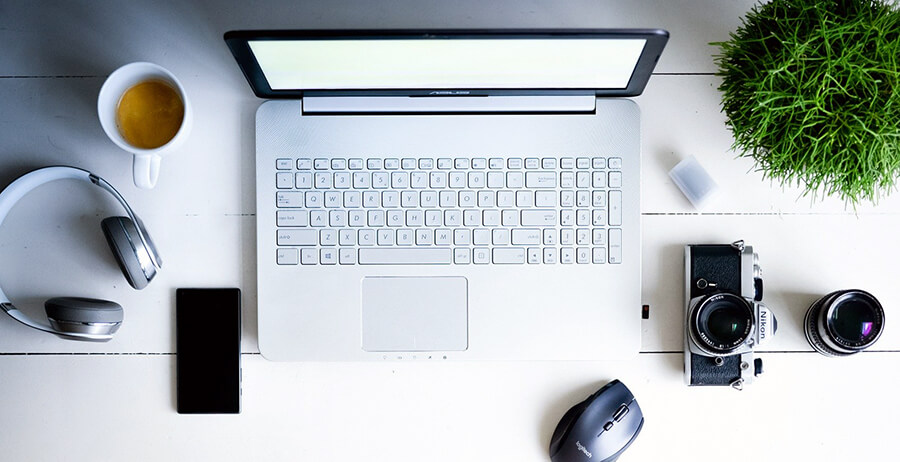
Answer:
[(725, 318)]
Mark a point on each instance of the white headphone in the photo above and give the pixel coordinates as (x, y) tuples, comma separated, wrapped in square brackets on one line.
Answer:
[(80, 318)]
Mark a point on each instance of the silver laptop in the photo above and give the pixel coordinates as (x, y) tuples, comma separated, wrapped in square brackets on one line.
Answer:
[(443, 195)]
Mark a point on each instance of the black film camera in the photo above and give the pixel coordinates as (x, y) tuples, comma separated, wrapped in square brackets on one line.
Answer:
[(724, 315)]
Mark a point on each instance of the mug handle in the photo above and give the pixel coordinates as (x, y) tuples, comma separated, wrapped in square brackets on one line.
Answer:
[(146, 171)]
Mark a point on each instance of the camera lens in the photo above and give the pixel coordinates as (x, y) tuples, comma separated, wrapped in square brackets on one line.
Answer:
[(844, 322), (722, 322)]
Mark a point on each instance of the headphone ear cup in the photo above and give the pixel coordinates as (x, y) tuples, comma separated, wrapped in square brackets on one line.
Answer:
[(84, 315), (125, 243)]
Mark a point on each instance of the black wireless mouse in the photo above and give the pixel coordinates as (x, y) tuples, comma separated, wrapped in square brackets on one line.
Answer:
[(599, 428)]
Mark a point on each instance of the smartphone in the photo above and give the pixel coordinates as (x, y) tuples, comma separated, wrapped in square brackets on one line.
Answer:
[(208, 351)]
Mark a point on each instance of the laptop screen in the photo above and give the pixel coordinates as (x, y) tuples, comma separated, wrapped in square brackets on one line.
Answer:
[(447, 64), (402, 62)]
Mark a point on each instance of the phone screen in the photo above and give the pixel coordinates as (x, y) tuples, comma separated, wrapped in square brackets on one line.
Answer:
[(208, 351)]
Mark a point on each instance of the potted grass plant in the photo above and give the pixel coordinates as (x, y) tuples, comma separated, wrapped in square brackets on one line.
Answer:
[(811, 91)]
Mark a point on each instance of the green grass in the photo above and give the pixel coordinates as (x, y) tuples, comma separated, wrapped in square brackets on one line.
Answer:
[(811, 90)]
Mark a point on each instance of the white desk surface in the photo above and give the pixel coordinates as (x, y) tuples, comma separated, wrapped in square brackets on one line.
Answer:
[(64, 400)]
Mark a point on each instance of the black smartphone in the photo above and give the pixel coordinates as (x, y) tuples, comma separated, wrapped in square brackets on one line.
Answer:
[(208, 351)]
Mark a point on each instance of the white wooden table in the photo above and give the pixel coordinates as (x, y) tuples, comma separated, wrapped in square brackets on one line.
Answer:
[(66, 400)]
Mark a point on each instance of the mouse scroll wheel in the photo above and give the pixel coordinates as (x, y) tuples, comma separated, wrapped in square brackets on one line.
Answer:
[(621, 412)]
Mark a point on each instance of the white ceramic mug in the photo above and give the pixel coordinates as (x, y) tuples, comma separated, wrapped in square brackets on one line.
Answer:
[(146, 161)]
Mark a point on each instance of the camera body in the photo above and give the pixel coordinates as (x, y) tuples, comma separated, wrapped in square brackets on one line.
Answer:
[(725, 318)]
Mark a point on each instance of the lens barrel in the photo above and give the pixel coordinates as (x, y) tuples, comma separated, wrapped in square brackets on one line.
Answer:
[(844, 322), (721, 323)]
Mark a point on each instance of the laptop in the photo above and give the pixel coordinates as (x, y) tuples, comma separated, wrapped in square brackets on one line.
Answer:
[(448, 195)]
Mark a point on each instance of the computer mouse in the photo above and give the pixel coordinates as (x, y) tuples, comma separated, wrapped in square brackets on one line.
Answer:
[(599, 428)]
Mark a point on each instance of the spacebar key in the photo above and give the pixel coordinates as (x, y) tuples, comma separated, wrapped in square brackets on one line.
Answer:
[(397, 256)]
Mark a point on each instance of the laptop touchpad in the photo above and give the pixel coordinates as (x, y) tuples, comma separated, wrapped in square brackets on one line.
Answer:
[(414, 314)]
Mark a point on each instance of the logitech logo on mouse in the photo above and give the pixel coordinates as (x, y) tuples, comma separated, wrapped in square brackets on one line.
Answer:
[(583, 449)]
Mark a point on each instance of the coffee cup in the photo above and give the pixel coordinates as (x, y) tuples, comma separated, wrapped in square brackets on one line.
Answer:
[(144, 110)]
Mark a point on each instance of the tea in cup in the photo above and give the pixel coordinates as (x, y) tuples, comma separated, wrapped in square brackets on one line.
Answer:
[(145, 111)]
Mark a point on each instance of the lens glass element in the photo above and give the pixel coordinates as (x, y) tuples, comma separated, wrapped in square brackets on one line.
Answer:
[(724, 321), (853, 320)]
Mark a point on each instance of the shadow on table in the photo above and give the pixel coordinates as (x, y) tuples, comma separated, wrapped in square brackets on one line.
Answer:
[(790, 309)]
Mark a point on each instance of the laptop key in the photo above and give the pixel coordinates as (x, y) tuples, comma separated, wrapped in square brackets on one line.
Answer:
[(303, 180), (567, 255), (328, 256), (615, 208), (324, 180), (545, 198), (289, 199), (347, 256), (418, 180), (328, 237), (405, 256), (507, 256), (309, 256), (550, 255), (615, 179), (583, 255), (481, 256), (462, 256), (538, 217), (342, 180), (288, 257), (540, 180), (292, 218), (405, 237), (615, 246), (615, 163), (299, 237), (522, 236)]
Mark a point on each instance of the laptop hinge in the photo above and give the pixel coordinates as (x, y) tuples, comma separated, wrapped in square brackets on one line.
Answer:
[(448, 104)]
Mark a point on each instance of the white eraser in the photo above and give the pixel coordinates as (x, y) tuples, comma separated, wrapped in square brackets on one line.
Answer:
[(693, 181)]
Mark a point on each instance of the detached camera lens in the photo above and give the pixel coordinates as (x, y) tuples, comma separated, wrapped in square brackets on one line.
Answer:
[(844, 322), (722, 322)]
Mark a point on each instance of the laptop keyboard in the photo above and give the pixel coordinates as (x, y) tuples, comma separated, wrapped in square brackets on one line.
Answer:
[(395, 211)]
